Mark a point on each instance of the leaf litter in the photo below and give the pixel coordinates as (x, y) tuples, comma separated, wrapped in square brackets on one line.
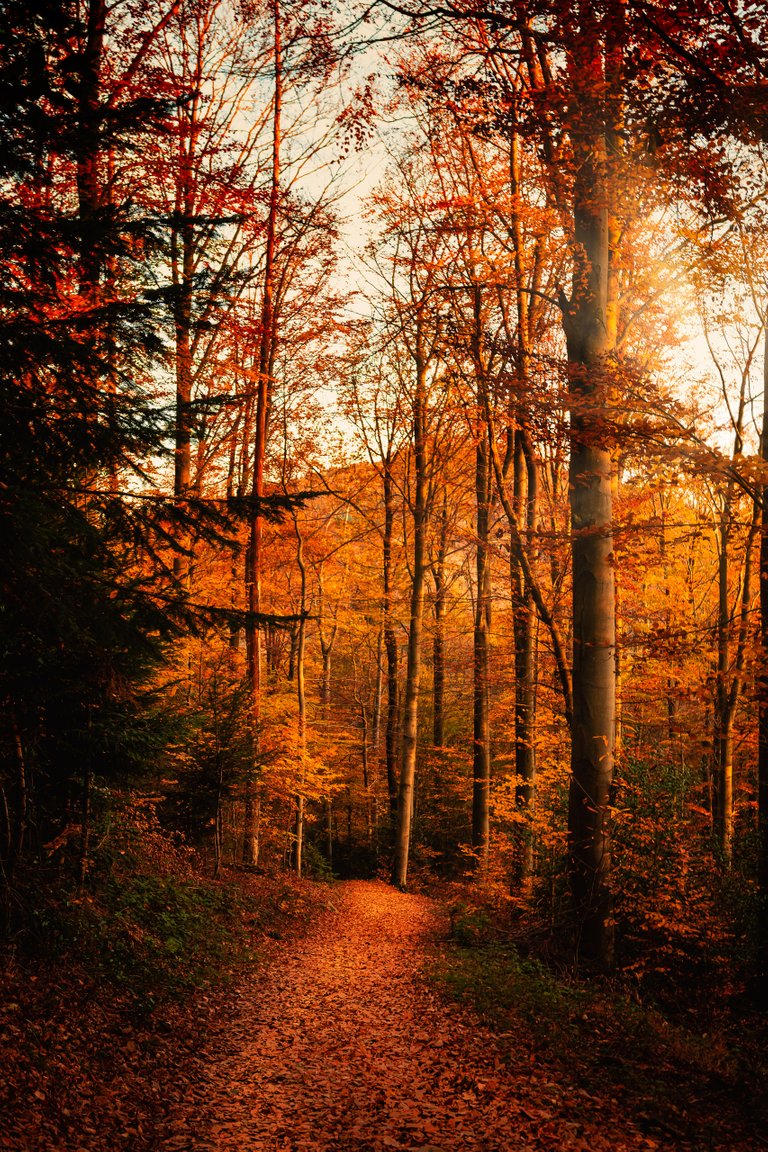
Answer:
[(341, 1046)]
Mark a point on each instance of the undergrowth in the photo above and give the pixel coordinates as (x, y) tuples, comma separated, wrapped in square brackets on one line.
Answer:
[(146, 922), (601, 1032)]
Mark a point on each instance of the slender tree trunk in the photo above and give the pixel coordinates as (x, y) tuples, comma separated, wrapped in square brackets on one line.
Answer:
[(326, 649), (481, 750), (723, 718), (18, 824), (301, 696), (520, 556), (378, 693), (90, 194), (182, 272), (86, 801), (413, 672), (618, 668), (525, 495), (526, 506), (438, 643), (762, 695), (366, 771), (254, 554), (327, 643), (89, 149), (390, 639), (730, 670)]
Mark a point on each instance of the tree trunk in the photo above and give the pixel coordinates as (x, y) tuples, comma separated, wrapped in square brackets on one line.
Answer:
[(366, 773), (438, 643), (378, 693), (589, 320), (413, 672), (89, 183), (526, 505), (182, 274), (481, 750), (254, 551), (301, 696), (762, 694), (390, 639), (326, 651), (722, 812), (21, 801)]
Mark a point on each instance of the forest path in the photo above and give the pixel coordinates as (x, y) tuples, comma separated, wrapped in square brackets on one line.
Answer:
[(341, 1047)]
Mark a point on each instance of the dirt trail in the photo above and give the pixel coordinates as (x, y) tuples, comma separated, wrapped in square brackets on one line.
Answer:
[(342, 1048)]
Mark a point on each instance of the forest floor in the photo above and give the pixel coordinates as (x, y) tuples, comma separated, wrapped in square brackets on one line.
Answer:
[(347, 1047), (340, 1038)]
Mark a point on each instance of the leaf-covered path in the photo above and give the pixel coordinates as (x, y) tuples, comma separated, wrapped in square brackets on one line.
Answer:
[(341, 1046)]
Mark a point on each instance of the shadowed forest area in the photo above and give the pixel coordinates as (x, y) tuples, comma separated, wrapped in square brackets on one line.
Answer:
[(384, 569)]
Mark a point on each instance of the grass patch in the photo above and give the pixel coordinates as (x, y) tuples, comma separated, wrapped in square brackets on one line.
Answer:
[(500, 985)]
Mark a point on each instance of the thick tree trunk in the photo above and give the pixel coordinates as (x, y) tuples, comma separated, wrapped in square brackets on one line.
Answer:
[(594, 689), (591, 342)]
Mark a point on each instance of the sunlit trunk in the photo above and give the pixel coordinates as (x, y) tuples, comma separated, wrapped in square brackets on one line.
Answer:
[(590, 343)]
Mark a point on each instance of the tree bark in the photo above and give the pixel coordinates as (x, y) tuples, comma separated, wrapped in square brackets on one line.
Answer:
[(390, 639), (722, 808), (590, 330), (301, 697), (481, 749), (254, 552), (438, 643), (762, 695), (413, 671), (526, 506)]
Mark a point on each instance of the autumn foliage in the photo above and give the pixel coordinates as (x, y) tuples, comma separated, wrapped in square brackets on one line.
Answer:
[(414, 532)]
